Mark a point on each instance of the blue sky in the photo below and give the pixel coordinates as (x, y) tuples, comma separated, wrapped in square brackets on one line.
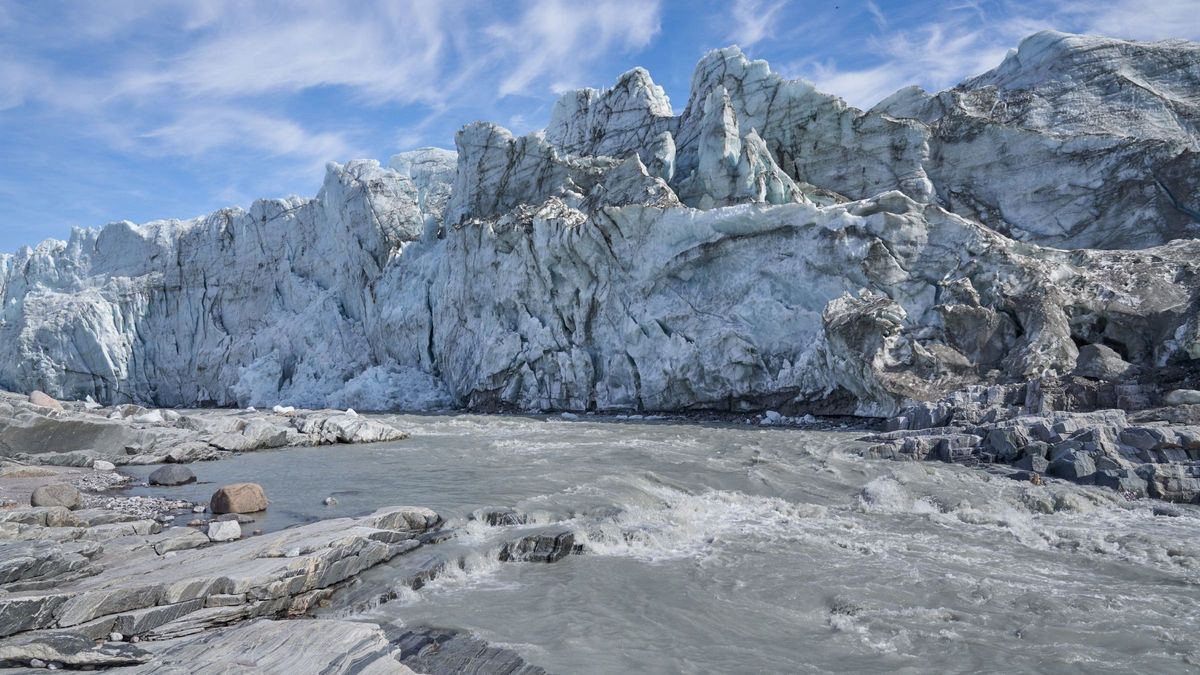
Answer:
[(144, 109)]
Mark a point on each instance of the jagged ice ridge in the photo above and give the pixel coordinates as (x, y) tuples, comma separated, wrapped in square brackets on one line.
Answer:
[(769, 246)]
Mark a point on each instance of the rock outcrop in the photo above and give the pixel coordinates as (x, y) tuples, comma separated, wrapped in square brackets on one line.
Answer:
[(768, 247)]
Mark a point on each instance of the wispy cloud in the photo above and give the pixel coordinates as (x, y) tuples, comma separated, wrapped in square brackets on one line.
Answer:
[(971, 37), (753, 20), (553, 40)]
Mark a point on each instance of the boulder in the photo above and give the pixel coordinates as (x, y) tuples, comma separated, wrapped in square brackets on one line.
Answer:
[(224, 530), (1073, 465), (43, 400), (1122, 481), (1100, 362), (172, 474), (59, 494), (1033, 462), (1182, 397), (103, 465), (239, 498)]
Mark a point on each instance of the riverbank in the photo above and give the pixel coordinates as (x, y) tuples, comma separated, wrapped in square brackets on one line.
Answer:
[(669, 510)]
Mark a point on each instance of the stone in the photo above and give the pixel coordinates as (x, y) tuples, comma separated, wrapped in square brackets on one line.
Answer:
[(440, 650), (549, 546), (224, 530), (180, 541), (329, 501), (171, 474), (1101, 362), (1122, 480), (238, 518), (78, 652), (55, 495), (1074, 466), (103, 465), (1182, 397), (43, 400), (238, 498), (316, 646), (1033, 462)]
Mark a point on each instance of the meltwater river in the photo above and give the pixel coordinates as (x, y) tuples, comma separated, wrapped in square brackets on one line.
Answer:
[(740, 549)]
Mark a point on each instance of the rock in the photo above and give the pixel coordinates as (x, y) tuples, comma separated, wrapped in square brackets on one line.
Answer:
[(1122, 480), (329, 501), (550, 546), (116, 637), (318, 646), (55, 495), (410, 519), (1103, 363), (1033, 462), (224, 530), (171, 474), (180, 541), (199, 508), (501, 517), (238, 518), (1182, 397), (103, 465), (1172, 482), (1166, 512), (440, 650), (43, 400), (76, 651), (1073, 466), (238, 498)]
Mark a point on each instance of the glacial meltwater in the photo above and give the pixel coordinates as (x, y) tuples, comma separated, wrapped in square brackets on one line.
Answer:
[(742, 549)]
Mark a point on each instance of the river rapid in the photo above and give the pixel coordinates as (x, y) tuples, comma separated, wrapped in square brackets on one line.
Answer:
[(743, 549)]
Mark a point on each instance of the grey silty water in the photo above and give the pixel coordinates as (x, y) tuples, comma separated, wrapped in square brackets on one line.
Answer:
[(712, 548)]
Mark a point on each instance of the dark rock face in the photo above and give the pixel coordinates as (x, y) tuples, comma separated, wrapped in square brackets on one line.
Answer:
[(549, 547), (171, 474), (1050, 426)]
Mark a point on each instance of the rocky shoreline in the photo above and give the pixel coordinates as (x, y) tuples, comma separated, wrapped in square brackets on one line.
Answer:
[(1139, 438), (91, 578)]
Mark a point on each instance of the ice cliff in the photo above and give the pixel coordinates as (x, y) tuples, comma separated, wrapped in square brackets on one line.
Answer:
[(769, 246)]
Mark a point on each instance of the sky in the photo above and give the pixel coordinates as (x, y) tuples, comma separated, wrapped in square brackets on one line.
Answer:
[(146, 109)]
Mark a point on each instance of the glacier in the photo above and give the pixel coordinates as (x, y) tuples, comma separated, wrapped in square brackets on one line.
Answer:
[(768, 247)]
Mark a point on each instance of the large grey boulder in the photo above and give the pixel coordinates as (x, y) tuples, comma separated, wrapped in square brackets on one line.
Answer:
[(239, 498), (1073, 465), (59, 494), (1102, 362), (171, 474)]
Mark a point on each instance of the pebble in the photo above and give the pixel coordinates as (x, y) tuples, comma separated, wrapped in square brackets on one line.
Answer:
[(37, 663), (199, 508), (115, 637)]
